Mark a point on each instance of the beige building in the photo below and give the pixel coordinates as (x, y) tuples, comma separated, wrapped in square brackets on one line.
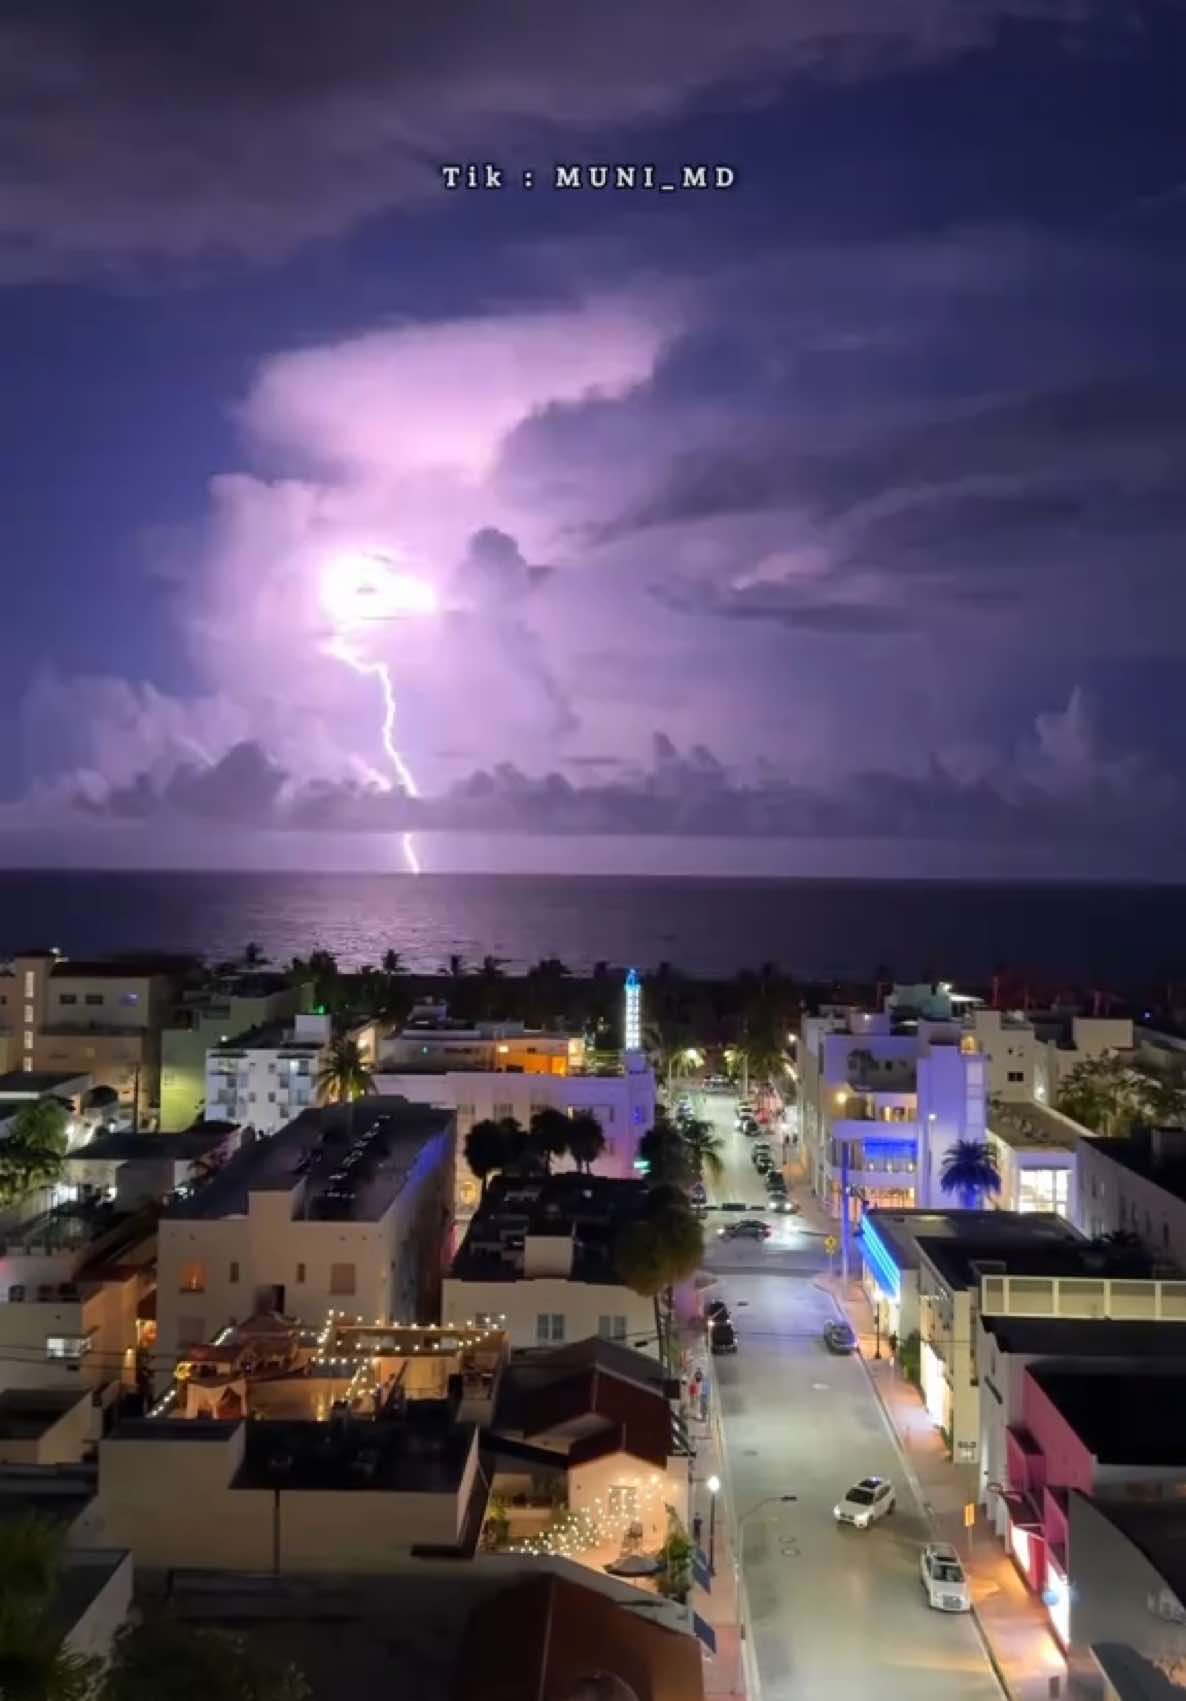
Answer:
[(299, 1497), (102, 1019), (212, 1017), (266, 1077), (537, 1262), (343, 1209)]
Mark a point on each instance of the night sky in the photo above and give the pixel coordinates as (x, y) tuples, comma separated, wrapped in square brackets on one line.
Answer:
[(845, 506)]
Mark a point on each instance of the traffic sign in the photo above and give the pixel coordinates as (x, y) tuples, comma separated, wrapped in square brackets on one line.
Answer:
[(831, 1244)]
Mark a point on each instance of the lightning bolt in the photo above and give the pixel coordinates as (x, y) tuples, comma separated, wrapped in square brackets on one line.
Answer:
[(339, 647)]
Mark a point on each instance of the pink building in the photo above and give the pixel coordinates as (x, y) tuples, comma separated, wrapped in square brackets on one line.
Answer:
[(1107, 1429)]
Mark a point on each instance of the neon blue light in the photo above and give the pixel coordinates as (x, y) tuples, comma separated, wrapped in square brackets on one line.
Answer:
[(876, 1255)]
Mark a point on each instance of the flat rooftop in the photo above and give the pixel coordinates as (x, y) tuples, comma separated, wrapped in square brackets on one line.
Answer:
[(901, 1231), (1080, 1337), (957, 1261), (278, 1035), (121, 968), (1158, 1156), (1158, 1529), (352, 1161), (1125, 1414), (590, 1208), (26, 1413), (122, 1146), (20, 1084), (1031, 1127)]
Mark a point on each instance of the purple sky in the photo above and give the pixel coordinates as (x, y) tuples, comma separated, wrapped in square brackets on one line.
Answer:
[(833, 523)]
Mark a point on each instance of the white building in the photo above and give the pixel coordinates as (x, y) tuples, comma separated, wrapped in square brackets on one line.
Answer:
[(343, 1209), (492, 1071), (1136, 1186), (267, 1076), (1035, 1149), (537, 1262), (883, 1095)]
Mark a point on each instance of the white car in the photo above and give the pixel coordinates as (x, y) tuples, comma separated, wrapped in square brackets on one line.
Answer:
[(944, 1579), (866, 1502)]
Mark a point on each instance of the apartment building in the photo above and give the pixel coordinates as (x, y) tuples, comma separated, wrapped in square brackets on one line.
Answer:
[(73, 1282), (267, 1076), (537, 1262), (1035, 1149), (498, 1070), (1136, 1186), (343, 1209), (883, 1095), (214, 1016), (102, 1019)]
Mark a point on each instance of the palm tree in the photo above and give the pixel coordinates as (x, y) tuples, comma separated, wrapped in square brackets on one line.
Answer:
[(34, 1665), (970, 1170), (1111, 1097), (662, 1247), (586, 1142), (487, 1149), (392, 965), (705, 1149), (344, 1075), (253, 956), (550, 1130), (663, 1149)]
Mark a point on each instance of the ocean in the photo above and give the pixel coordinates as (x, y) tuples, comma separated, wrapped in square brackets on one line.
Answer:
[(1109, 936)]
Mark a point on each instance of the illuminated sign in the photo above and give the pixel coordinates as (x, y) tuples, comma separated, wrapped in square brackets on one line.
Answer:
[(877, 1258), (632, 1027)]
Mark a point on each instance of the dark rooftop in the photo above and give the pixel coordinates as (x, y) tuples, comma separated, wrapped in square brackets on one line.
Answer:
[(1125, 1414), (122, 1145), (1080, 1337), (1158, 1529), (122, 968), (424, 1453), (956, 1260), (26, 1413), (1157, 1155), (19, 1083), (589, 1208), (353, 1161), (902, 1230)]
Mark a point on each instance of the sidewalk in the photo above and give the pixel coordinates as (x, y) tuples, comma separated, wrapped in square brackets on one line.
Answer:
[(724, 1674), (1016, 1631)]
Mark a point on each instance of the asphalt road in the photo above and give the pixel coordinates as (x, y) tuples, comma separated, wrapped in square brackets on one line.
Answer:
[(834, 1614)]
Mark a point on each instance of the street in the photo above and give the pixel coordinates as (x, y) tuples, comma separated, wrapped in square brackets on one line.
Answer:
[(833, 1613)]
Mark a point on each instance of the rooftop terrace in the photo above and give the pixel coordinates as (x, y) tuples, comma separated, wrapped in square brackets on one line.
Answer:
[(348, 1163), (589, 1209)]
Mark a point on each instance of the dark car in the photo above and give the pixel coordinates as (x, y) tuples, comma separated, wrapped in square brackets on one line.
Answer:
[(839, 1337), (722, 1338), (750, 1229), (716, 1311), (776, 1181)]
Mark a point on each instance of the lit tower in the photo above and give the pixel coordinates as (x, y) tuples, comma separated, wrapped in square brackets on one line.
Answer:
[(632, 1023)]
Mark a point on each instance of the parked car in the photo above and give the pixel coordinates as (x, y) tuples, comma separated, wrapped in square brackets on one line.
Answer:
[(944, 1579), (784, 1207), (839, 1337), (760, 1146), (750, 1229), (776, 1182), (722, 1337), (716, 1311), (749, 1128), (865, 1502), (698, 1193)]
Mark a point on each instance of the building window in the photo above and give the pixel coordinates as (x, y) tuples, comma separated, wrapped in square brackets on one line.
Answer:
[(612, 1328), (341, 1278), (68, 1347), (30, 984), (29, 1041), (623, 1502), (301, 1274), (64, 998), (129, 998), (549, 1326), (28, 1013), (193, 1278), (94, 998), (1016, 1075), (503, 1112), (234, 1270)]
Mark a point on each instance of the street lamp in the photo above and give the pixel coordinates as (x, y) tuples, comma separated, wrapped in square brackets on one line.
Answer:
[(713, 1485), (770, 1500)]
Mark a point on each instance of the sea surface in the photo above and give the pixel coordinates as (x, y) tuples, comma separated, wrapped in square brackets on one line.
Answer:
[(1109, 936)]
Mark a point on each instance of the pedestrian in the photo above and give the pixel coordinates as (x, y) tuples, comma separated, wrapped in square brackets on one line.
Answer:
[(697, 1526)]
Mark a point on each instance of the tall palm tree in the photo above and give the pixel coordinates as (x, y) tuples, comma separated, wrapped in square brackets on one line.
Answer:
[(344, 1075), (487, 1149), (549, 1134), (704, 1148), (970, 1170), (586, 1142), (659, 1249), (663, 1149)]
